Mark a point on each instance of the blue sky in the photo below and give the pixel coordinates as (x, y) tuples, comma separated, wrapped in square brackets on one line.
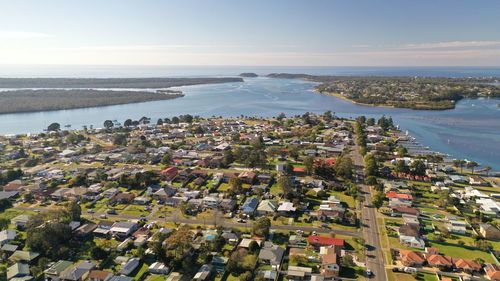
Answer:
[(257, 32)]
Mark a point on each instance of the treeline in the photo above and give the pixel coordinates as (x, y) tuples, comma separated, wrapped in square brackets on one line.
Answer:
[(122, 83), (42, 100)]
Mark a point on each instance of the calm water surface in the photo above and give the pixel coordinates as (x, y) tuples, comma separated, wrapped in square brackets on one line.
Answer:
[(470, 131)]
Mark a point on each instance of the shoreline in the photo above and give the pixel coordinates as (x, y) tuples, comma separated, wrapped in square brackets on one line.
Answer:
[(337, 95), (156, 96)]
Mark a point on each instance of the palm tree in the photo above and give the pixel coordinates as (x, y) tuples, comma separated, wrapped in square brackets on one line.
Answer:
[(472, 165), (487, 169)]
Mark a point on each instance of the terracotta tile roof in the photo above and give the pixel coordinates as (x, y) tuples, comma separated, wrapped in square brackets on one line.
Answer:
[(439, 260), (467, 264), (409, 256), (493, 271)]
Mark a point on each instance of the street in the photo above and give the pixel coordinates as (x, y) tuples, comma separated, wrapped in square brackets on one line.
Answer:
[(374, 255)]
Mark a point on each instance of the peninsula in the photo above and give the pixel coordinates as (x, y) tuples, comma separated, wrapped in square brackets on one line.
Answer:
[(427, 93), (43, 94), (249, 75)]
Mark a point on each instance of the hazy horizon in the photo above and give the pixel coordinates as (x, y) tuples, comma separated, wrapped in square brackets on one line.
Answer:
[(250, 33)]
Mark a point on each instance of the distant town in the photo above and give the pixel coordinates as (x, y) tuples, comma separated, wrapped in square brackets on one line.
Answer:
[(423, 93), (308, 197)]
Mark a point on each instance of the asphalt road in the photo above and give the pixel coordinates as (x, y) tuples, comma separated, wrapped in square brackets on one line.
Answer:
[(370, 230)]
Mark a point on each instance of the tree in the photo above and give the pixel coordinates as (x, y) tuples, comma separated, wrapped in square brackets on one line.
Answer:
[(344, 167), (98, 253), (261, 227), (246, 276), (228, 158), (166, 158), (75, 211), (54, 127), (4, 223), (370, 122), (487, 169), (328, 116), (402, 151), (253, 247), (371, 166), (127, 123), (108, 124), (281, 116), (159, 122), (472, 165), (418, 167), (401, 167), (50, 238), (378, 200), (459, 164), (371, 180), (285, 184), (120, 139), (236, 186)]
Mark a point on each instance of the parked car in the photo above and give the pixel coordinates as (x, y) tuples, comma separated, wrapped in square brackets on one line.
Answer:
[(410, 270)]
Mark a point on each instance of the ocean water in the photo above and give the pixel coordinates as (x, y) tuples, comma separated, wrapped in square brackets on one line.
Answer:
[(471, 131)]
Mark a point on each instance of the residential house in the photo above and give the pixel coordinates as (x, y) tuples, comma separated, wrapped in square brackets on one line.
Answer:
[(250, 205), (409, 235), (492, 271), (267, 207), (53, 273), (129, 266), (400, 210), (271, 254), (439, 261), (7, 236), (411, 258), (122, 198), (247, 177), (329, 264), (158, 268), (123, 229), (298, 273), (18, 270), (324, 241), (245, 243), (456, 226), (78, 272), (227, 205), (24, 256), (15, 185), (286, 209), (99, 275), (489, 231), (466, 265), (203, 273), (169, 173)]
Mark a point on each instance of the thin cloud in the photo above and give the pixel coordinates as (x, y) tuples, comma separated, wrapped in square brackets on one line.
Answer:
[(161, 47), (452, 45), (9, 34)]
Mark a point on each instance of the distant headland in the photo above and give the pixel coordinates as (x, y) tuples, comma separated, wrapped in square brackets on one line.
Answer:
[(45, 94), (249, 75)]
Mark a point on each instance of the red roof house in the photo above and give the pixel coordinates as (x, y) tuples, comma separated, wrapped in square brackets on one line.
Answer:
[(319, 241)]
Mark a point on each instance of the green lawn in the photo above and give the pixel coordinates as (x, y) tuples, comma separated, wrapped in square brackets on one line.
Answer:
[(155, 277), (345, 198), (142, 270), (427, 277), (457, 251)]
